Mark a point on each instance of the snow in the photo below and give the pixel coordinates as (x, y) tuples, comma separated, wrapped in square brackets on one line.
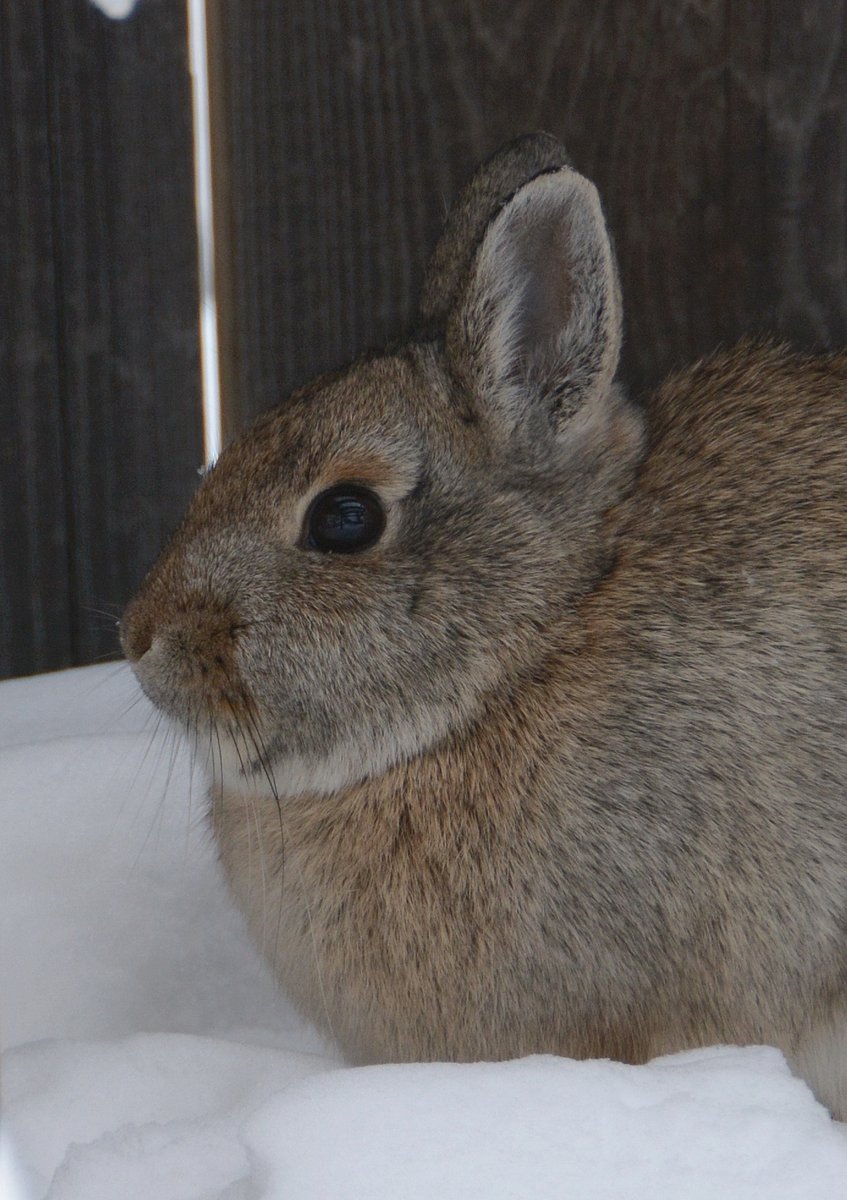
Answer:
[(148, 1052), (116, 9)]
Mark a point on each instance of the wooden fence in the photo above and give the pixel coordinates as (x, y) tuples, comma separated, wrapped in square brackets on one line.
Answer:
[(716, 132)]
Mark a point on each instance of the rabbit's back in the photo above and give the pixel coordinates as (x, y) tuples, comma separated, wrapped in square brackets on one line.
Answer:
[(746, 470), (711, 759)]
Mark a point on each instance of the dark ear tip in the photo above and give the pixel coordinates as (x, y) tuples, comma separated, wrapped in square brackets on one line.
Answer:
[(528, 155), (491, 186)]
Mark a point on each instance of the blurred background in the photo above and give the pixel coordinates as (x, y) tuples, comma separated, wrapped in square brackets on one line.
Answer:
[(716, 131)]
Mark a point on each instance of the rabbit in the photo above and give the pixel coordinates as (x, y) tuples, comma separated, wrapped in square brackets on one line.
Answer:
[(524, 706)]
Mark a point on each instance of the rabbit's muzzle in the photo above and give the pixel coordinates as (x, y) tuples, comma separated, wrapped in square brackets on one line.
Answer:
[(187, 664)]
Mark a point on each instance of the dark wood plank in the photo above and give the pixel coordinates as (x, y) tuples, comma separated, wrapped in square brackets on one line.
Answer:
[(106, 198), (35, 616), (121, 112), (805, 109), (716, 132)]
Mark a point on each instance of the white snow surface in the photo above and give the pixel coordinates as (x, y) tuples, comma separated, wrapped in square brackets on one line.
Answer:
[(116, 9), (149, 1054)]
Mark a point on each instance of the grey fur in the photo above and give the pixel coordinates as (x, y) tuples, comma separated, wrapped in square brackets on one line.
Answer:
[(559, 764)]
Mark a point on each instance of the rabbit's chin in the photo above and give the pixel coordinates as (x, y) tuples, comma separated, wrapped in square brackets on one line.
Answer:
[(279, 773)]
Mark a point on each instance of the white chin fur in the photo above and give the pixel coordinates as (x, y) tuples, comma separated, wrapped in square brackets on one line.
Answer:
[(348, 764)]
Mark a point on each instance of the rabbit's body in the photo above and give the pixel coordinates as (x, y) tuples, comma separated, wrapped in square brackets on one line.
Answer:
[(578, 787), (577, 872)]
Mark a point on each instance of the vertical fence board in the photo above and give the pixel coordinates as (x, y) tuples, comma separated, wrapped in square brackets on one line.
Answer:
[(35, 621), (109, 176), (805, 107), (715, 131)]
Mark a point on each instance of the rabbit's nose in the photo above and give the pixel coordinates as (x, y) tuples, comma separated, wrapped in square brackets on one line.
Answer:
[(136, 635), (197, 634)]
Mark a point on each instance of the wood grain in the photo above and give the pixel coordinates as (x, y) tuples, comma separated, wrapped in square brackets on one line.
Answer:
[(35, 619), (101, 362), (716, 131)]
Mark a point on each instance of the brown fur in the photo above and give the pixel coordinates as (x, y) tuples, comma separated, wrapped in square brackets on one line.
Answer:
[(559, 764)]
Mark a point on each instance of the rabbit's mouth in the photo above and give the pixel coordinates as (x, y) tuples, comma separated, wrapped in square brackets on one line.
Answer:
[(301, 750)]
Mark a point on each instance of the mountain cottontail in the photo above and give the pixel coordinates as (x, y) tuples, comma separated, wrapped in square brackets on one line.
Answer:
[(526, 712)]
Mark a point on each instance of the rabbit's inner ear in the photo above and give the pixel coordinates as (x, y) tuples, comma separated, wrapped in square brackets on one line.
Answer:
[(536, 334)]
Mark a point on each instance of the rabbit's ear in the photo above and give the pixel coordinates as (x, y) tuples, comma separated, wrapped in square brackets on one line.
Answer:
[(535, 335), (492, 184)]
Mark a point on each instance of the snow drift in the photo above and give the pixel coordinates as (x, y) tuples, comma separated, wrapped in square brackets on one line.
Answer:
[(148, 1052)]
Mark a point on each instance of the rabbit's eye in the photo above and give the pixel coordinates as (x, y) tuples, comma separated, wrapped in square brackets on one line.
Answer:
[(344, 519)]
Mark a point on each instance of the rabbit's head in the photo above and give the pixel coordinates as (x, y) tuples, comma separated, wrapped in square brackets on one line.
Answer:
[(372, 558)]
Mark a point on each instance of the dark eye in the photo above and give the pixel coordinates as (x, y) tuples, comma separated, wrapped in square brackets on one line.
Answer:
[(344, 519)]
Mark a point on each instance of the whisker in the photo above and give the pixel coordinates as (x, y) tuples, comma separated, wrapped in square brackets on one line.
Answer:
[(261, 754), (152, 740), (253, 735), (164, 743), (260, 750), (220, 757), (237, 732), (192, 738), (108, 607), (130, 705)]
